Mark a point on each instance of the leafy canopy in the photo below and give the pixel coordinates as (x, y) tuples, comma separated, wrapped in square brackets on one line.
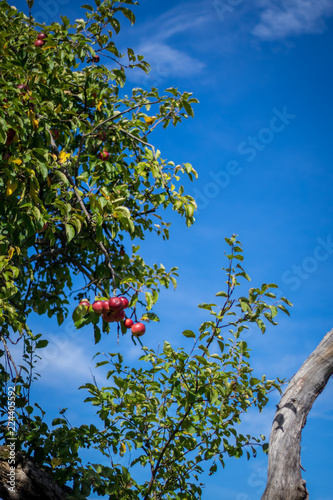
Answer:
[(67, 212), (79, 183)]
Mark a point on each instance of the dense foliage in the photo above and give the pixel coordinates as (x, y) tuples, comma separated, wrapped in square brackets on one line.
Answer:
[(79, 180)]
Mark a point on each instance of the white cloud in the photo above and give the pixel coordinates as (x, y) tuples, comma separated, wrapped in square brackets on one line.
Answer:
[(190, 16), (158, 45), (167, 61), (292, 18), (63, 361)]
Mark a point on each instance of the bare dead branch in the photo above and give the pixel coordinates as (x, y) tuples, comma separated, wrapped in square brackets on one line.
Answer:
[(284, 465)]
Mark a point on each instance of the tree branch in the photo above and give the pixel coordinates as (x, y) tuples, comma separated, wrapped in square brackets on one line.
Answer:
[(31, 481), (117, 115), (46, 253), (284, 464), (11, 359), (90, 276), (165, 447), (90, 223)]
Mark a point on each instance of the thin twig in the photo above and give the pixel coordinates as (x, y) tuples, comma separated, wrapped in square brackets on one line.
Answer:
[(90, 222), (90, 276), (11, 359), (46, 253), (117, 115)]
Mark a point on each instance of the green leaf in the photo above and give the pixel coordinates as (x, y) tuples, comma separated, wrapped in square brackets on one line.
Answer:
[(188, 333), (3, 136), (62, 177), (283, 308), (286, 301), (174, 282), (188, 108), (37, 213), (149, 300), (29, 409), (244, 303), (129, 14), (244, 275), (79, 312), (274, 311), (70, 232), (41, 343), (59, 421), (209, 307), (87, 7), (201, 359), (261, 325), (152, 316), (97, 334)]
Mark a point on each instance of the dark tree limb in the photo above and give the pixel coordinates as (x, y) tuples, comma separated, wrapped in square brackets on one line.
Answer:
[(30, 481), (284, 464)]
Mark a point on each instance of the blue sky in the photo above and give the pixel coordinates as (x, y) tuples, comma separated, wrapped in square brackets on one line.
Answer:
[(261, 141)]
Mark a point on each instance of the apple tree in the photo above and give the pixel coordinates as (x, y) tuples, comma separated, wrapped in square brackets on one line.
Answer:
[(81, 184)]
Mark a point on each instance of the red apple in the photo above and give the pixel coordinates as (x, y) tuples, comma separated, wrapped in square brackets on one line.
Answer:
[(41, 36), (39, 43), (10, 136), (138, 329), (118, 315), (103, 155), (98, 306), (122, 252), (92, 99), (124, 301), (108, 317), (115, 303), (95, 59), (55, 133), (85, 302), (128, 323), (23, 87), (102, 135), (106, 306)]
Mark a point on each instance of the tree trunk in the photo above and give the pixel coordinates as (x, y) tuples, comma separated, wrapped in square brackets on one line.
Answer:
[(26, 481), (284, 464)]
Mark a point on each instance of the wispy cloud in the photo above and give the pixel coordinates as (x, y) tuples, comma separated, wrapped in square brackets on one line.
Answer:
[(280, 20), (166, 60), (160, 39), (65, 361), (186, 17)]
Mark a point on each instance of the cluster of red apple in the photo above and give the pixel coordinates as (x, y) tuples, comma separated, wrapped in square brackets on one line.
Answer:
[(40, 40), (112, 310)]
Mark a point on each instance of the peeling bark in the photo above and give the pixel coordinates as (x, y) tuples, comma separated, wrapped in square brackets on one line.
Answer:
[(284, 463), (31, 482)]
